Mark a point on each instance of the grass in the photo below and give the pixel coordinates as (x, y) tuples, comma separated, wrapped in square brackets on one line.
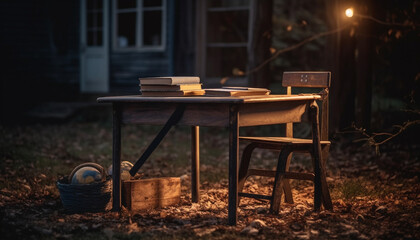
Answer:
[(351, 189)]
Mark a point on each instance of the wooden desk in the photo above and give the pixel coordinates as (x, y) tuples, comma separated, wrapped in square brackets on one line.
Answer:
[(231, 112)]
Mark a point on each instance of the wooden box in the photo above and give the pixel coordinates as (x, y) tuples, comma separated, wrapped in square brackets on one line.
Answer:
[(150, 193)]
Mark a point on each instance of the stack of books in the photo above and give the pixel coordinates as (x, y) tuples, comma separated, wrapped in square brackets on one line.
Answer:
[(171, 86)]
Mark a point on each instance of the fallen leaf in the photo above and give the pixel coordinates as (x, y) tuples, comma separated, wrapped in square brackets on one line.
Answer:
[(250, 230), (258, 224), (203, 231)]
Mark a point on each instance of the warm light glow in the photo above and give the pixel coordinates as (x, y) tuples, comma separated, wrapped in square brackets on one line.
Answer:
[(349, 12)]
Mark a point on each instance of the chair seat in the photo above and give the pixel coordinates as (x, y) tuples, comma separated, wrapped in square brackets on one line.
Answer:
[(281, 140)]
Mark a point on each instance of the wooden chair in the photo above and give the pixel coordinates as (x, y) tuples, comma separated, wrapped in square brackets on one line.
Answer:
[(318, 147)]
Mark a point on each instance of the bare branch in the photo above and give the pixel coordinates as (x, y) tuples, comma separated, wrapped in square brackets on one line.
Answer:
[(386, 23), (402, 128), (370, 139), (381, 134)]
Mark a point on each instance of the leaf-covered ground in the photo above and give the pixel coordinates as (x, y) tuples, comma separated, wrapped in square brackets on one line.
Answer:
[(374, 197)]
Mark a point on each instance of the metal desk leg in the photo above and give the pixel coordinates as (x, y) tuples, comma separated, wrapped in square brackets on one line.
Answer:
[(195, 164), (233, 164), (116, 158)]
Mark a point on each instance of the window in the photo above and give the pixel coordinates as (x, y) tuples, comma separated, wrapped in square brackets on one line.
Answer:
[(139, 24)]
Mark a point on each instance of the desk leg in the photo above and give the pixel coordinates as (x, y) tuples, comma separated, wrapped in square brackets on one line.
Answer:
[(233, 164), (195, 164), (116, 158)]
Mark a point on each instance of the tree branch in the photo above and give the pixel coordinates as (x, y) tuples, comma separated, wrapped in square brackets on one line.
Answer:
[(386, 23), (370, 139)]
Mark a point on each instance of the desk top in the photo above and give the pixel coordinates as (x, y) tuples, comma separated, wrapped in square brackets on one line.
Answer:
[(207, 99)]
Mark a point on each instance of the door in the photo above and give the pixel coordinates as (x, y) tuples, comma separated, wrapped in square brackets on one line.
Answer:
[(94, 75)]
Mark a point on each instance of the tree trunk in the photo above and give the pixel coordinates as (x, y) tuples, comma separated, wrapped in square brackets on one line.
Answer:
[(341, 61), (364, 68)]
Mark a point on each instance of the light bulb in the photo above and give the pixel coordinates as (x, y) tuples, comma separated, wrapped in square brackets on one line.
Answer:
[(349, 12)]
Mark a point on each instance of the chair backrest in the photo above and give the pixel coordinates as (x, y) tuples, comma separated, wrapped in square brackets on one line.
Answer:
[(311, 80), (307, 79)]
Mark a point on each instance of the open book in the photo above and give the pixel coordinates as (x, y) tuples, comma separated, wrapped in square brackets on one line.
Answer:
[(170, 80), (179, 93), (236, 91)]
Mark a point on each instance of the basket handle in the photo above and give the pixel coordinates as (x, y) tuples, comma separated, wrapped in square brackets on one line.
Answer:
[(89, 164)]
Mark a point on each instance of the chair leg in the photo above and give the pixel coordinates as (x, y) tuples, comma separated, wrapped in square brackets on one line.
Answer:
[(316, 155), (321, 192), (288, 197), (243, 173), (326, 198), (317, 182), (279, 180), (244, 165)]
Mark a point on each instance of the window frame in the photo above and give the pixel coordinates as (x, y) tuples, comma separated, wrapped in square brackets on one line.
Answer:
[(139, 10)]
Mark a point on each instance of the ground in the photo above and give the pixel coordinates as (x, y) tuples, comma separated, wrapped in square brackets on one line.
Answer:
[(374, 196)]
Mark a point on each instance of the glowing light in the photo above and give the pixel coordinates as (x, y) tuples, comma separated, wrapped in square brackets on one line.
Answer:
[(349, 12)]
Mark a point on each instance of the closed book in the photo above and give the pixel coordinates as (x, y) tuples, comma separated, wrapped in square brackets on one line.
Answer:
[(236, 91), (191, 86), (169, 80), (180, 93)]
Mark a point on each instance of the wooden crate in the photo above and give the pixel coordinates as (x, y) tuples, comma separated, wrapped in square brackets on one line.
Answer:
[(150, 193)]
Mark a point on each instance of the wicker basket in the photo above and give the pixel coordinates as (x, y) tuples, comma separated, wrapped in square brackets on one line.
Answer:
[(94, 197)]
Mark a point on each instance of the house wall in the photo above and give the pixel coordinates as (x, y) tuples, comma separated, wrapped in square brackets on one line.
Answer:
[(39, 44)]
